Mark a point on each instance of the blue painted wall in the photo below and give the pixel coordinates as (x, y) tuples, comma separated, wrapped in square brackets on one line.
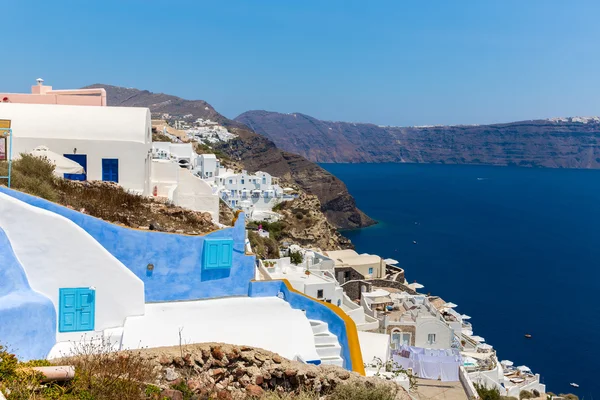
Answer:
[(314, 310), (27, 318), (177, 259)]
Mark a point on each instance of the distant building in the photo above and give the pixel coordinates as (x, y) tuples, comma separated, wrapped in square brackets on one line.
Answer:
[(43, 94), (349, 265)]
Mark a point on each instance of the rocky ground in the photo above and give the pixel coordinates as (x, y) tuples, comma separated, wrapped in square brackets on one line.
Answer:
[(305, 225), (241, 372)]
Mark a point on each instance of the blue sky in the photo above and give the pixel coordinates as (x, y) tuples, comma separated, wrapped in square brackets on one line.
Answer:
[(387, 62)]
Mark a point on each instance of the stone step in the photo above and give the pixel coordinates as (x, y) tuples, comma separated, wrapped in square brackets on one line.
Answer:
[(333, 361), (318, 326), (328, 350), (325, 338)]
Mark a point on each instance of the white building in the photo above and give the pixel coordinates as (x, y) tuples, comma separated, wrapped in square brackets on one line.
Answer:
[(320, 284), (208, 167), (110, 143), (181, 153), (250, 192), (416, 322)]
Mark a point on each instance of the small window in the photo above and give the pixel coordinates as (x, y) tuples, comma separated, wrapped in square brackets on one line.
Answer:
[(370, 271), (320, 294), (346, 274), (431, 338), (242, 181)]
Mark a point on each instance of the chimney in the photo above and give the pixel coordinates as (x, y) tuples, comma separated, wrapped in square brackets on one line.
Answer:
[(40, 88)]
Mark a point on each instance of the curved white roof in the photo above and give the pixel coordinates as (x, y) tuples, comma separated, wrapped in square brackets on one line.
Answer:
[(77, 122)]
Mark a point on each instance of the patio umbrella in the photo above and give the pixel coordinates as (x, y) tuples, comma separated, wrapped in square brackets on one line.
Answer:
[(390, 261), (485, 346), (465, 316), (478, 339), (415, 285), (507, 363), (524, 369), (450, 305), (62, 165)]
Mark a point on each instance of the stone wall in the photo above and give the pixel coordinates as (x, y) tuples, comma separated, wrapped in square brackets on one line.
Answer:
[(341, 272), (354, 288), (241, 372), (382, 283)]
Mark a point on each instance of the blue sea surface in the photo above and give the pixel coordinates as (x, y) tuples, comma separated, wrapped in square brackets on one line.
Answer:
[(517, 249)]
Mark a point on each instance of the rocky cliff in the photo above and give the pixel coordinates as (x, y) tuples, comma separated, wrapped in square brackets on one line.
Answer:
[(557, 143), (255, 152)]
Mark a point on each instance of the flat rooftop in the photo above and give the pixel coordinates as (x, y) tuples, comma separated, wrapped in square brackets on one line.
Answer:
[(266, 322)]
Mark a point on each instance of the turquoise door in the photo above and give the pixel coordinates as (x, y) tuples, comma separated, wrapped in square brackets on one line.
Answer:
[(218, 253), (76, 310)]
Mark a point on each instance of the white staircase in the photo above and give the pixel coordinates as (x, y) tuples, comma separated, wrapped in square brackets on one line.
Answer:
[(326, 343)]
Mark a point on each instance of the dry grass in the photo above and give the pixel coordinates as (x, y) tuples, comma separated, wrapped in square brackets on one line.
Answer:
[(104, 200)]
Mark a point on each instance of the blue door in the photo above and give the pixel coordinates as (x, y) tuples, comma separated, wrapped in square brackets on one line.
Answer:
[(80, 159), (218, 253), (76, 310), (110, 169)]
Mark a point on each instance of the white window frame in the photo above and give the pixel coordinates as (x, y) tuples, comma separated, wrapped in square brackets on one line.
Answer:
[(431, 336)]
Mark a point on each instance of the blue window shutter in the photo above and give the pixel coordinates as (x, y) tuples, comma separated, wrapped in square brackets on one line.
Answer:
[(226, 254), (86, 309), (218, 253), (66, 310)]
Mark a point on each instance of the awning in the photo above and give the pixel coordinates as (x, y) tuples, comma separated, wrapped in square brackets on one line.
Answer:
[(478, 356), (390, 261), (507, 363), (381, 300), (415, 286), (469, 360), (256, 191)]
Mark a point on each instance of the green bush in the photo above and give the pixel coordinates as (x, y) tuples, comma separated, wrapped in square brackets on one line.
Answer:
[(526, 395), (363, 392), (33, 175), (296, 257), (487, 394)]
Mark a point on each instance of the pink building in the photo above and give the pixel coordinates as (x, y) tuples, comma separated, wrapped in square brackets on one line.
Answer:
[(42, 94)]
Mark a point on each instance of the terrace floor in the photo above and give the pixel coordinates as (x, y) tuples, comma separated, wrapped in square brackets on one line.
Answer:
[(266, 322), (429, 389)]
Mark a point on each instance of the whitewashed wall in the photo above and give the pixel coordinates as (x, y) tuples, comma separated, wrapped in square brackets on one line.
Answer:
[(196, 194), (55, 253), (427, 325), (183, 188), (134, 159)]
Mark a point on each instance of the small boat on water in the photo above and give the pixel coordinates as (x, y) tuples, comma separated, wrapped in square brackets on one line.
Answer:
[(574, 384), (414, 242), (528, 336)]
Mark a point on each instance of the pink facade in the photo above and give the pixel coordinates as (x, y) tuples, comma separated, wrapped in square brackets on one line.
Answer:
[(41, 94)]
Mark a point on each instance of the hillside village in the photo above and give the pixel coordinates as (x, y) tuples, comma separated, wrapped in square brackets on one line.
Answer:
[(133, 229)]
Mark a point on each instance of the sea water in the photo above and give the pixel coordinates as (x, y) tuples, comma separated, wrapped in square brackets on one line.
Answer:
[(517, 249)]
